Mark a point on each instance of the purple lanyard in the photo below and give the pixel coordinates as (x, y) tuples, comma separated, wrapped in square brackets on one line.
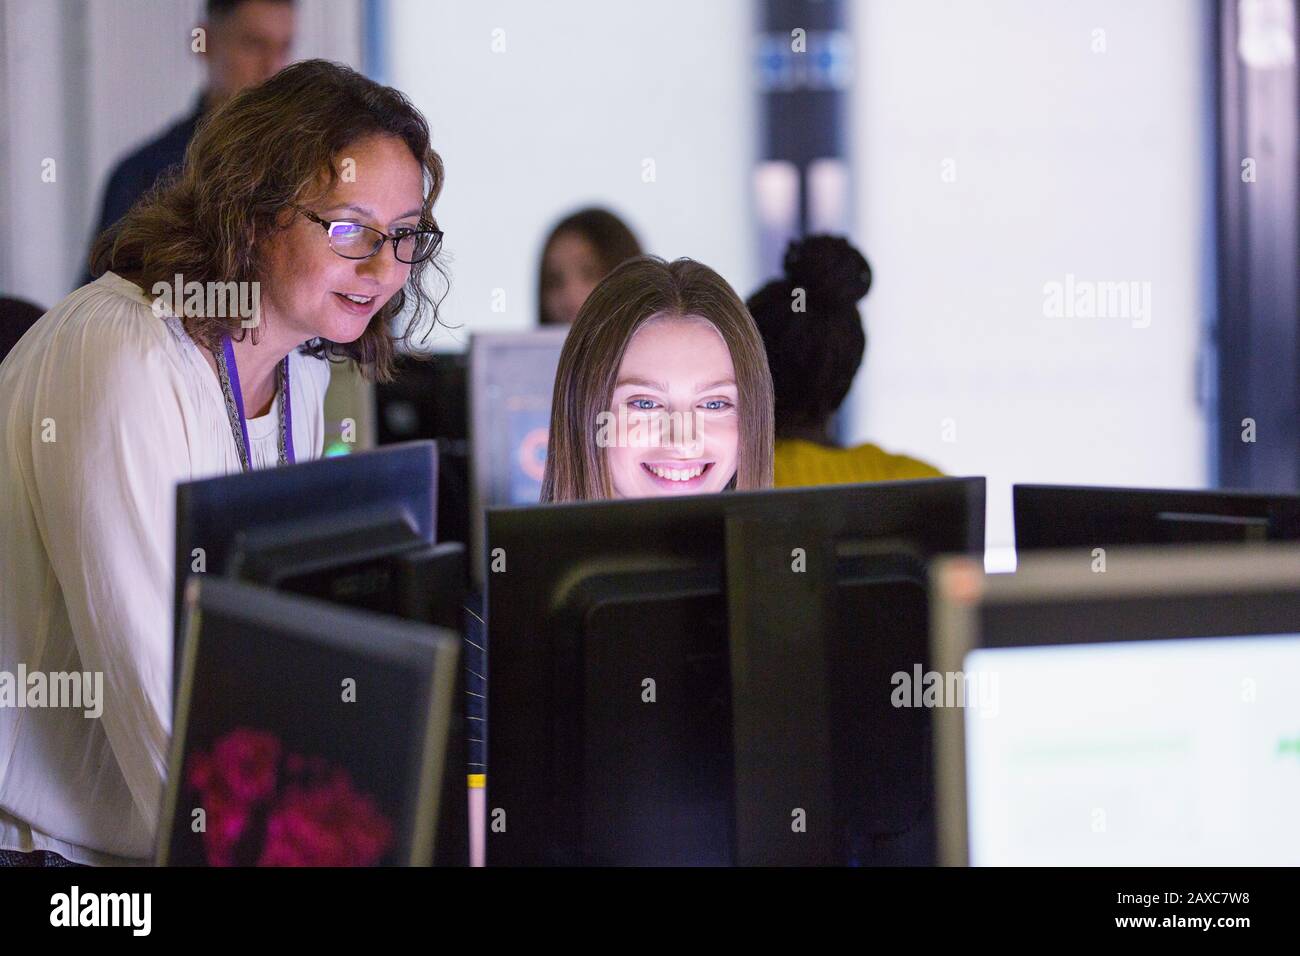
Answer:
[(286, 412)]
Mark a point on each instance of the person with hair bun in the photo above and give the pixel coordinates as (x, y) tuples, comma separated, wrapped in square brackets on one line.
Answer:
[(815, 343)]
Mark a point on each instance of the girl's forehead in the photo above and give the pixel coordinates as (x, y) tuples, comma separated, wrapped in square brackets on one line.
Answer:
[(665, 323), (677, 347)]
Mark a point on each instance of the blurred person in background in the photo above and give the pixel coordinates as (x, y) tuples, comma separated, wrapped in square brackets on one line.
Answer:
[(580, 251), (815, 343), (247, 41), (16, 317)]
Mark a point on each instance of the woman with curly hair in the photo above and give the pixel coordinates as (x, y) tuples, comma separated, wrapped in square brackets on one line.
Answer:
[(298, 227)]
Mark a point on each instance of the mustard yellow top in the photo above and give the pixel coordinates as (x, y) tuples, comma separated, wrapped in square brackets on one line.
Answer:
[(799, 463)]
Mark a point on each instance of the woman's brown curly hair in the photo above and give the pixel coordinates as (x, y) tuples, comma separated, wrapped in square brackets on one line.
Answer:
[(260, 152)]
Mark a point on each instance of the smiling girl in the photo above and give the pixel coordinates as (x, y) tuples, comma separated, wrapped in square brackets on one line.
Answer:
[(662, 388)]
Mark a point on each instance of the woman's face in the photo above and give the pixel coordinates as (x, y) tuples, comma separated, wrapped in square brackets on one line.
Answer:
[(570, 270), (306, 283), (676, 421)]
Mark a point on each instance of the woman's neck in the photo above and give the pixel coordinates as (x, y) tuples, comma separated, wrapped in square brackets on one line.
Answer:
[(257, 365)]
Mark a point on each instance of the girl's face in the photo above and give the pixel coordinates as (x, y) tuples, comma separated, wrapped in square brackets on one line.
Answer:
[(571, 269), (308, 285), (675, 424)]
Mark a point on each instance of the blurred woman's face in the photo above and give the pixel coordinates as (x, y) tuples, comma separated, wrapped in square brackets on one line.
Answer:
[(675, 415), (309, 290), (570, 270)]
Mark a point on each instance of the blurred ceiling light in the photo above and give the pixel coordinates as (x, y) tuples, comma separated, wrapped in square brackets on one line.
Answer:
[(828, 196), (776, 201), (1266, 33), (776, 194)]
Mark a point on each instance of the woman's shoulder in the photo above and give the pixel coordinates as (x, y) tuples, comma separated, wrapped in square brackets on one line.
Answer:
[(107, 337), (801, 462), (107, 371), (898, 467), (112, 317)]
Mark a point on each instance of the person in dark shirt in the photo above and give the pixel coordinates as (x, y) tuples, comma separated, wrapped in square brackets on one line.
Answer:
[(16, 317), (246, 42)]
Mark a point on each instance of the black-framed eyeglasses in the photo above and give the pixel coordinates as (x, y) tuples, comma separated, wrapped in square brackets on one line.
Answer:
[(352, 240)]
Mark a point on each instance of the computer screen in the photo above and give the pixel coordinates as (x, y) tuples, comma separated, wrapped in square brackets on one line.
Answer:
[(1173, 752), (511, 381), (706, 679), (305, 734), (1136, 712)]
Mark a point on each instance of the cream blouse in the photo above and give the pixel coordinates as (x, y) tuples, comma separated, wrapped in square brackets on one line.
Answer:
[(104, 407)]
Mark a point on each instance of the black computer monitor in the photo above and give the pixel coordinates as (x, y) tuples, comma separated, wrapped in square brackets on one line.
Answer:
[(1064, 516), (706, 679), (388, 494), (428, 399), (1140, 715), (306, 734)]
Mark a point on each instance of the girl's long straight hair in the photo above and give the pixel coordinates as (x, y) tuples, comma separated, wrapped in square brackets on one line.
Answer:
[(633, 293)]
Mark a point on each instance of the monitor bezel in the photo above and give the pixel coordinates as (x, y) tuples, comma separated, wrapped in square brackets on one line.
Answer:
[(961, 589)]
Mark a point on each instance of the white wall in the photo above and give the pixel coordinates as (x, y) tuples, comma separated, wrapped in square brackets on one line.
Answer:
[(35, 126), (583, 93), (84, 82), (1067, 161)]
